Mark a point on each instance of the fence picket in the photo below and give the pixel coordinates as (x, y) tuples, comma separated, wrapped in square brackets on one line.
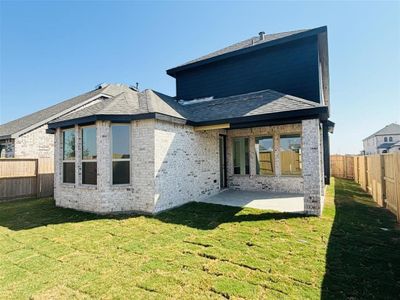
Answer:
[(21, 178), (378, 174)]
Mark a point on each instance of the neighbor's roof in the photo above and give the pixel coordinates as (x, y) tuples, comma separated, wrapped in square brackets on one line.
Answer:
[(19, 126), (253, 43), (131, 105), (387, 130)]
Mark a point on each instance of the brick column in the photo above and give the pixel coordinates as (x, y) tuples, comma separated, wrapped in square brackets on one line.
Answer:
[(57, 163), (277, 154), (78, 156), (311, 159), (103, 156), (252, 155)]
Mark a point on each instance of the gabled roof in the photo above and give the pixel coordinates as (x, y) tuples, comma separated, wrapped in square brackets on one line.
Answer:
[(248, 45), (392, 128), (132, 105), (27, 123)]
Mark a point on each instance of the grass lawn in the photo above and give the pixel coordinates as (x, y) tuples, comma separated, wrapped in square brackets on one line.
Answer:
[(200, 251)]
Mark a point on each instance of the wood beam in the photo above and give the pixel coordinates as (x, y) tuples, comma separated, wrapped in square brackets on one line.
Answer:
[(212, 127)]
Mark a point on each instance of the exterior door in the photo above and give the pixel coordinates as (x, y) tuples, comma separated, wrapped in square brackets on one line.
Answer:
[(222, 161)]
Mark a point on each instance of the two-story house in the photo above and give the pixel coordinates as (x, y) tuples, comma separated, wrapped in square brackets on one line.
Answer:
[(252, 116), (385, 140)]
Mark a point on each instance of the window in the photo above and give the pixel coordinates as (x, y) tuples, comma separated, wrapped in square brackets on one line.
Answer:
[(290, 151), (264, 155), (390, 139), (89, 155), (68, 155), (241, 156), (385, 139), (120, 154)]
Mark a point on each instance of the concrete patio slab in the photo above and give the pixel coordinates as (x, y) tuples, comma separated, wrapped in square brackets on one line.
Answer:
[(283, 202)]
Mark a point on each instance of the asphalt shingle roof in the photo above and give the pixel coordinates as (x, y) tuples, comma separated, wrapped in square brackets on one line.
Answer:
[(40, 116), (122, 100), (253, 41), (392, 128), (251, 104), (130, 102)]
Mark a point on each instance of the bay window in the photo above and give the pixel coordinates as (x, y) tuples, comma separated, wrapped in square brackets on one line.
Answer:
[(241, 156), (120, 154), (89, 155), (264, 147), (290, 154), (68, 155)]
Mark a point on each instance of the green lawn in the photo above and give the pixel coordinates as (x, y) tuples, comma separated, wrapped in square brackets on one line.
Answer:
[(200, 251)]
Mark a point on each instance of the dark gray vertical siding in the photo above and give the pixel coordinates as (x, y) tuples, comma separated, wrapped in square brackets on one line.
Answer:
[(291, 68)]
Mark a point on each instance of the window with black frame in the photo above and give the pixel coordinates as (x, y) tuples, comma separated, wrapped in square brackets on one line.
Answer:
[(290, 154), (264, 147), (120, 154), (241, 156), (68, 156), (89, 155)]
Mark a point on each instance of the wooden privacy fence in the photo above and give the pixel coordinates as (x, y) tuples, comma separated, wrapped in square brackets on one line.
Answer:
[(379, 175), (342, 166), (22, 178)]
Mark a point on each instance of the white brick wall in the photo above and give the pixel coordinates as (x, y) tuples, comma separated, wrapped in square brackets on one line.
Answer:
[(136, 196), (34, 144), (186, 164), (172, 164)]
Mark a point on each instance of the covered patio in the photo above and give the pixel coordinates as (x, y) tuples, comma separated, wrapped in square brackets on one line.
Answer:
[(282, 202)]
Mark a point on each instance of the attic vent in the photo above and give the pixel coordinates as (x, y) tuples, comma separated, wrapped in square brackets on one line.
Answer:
[(135, 87), (262, 35)]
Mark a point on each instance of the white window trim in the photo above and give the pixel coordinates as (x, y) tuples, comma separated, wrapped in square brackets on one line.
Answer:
[(121, 159), (67, 160), (273, 154), (87, 160)]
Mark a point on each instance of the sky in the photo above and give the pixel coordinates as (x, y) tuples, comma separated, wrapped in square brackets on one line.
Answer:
[(52, 51)]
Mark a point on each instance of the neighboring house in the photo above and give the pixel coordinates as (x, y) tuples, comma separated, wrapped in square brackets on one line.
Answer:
[(252, 116), (26, 137), (383, 141)]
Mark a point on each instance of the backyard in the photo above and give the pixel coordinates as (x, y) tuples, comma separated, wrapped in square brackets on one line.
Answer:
[(201, 250)]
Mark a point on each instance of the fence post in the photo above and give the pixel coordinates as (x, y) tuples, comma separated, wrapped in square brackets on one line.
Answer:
[(37, 178), (382, 179)]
